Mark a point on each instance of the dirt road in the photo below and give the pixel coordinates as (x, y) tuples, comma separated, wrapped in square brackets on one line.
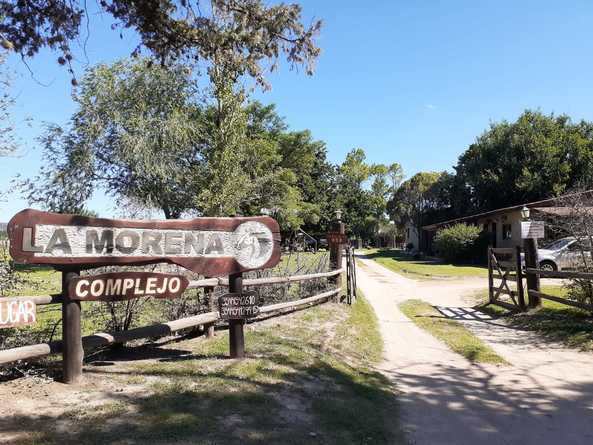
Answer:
[(544, 397)]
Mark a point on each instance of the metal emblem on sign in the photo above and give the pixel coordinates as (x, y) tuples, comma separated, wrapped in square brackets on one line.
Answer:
[(127, 285), (532, 229), (237, 306), (210, 246)]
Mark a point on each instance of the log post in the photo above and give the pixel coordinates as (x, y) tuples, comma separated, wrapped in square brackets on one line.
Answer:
[(519, 270), (236, 334), (73, 353), (490, 277), (532, 262), (335, 255), (212, 305)]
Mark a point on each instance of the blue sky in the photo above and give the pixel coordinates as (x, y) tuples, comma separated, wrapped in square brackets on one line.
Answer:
[(410, 82)]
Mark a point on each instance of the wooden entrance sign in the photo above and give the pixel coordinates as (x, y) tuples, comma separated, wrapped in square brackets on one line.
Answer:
[(17, 313), (126, 285), (209, 246), (336, 238), (236, 306)]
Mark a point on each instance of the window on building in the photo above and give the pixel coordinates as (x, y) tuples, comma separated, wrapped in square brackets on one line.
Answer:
[(507, 231)]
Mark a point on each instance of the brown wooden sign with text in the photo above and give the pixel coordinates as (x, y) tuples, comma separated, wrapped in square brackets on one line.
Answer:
[(209, 246), (127, 285), (15, 313), (336, 238), (237, 306)]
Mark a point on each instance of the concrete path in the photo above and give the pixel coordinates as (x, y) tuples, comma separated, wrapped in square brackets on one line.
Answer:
[(544, 397)]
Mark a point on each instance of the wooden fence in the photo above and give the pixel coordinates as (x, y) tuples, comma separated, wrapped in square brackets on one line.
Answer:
[(559, 275), (506, 265), (167, 328)]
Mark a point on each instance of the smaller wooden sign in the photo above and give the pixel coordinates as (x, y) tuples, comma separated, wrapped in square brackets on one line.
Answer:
[(15, 313), (127, 285), (532, 229), (236, 306), (337, 238)]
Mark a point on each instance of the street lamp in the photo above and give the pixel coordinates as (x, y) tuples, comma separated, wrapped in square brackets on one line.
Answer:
[(525, 213), (338, 215)]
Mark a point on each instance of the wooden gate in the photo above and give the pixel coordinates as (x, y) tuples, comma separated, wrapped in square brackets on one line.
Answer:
[(505, 266)]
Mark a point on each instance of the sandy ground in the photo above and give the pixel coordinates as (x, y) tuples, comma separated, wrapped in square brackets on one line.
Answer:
[(544, 397)]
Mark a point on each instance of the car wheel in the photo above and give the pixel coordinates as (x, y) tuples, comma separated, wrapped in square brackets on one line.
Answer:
[(548, 266)]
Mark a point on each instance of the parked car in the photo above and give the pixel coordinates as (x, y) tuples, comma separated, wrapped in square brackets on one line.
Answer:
[(564, 253)]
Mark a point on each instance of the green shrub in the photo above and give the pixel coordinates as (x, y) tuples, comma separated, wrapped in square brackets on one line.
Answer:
[(457, 243)]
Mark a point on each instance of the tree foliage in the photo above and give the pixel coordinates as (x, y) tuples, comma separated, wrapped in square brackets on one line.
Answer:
[(136, 134), (146, 135), (248, 34), (534, 158), (418, 198), (7, 137), (458, 242)]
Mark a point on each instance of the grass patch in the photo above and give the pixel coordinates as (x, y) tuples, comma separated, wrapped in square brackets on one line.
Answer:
[(401, 262), (553, 321), (308, 379), (451, 332)]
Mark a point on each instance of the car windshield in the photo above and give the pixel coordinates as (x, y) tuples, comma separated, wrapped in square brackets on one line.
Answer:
[(559, 244)]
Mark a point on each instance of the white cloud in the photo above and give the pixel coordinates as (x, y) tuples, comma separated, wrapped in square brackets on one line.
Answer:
[(431, 106)]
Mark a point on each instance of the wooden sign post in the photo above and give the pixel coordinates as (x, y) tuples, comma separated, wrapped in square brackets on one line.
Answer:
[(336, 238), (208, 246), (72, 354), (530, 232), (236, 334)]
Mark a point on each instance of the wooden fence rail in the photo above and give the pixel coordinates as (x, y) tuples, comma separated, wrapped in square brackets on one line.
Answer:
[(41, 300), (157, 330)]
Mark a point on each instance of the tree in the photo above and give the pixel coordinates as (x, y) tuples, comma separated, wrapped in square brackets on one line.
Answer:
[(534, 158), (288, 171), (417, 199), (395, 173), (137, 133), (356, 202), (246, 33), (7, 138)]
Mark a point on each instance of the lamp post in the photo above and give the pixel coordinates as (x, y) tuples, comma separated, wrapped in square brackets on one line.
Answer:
[(338, 214), (392, 223)]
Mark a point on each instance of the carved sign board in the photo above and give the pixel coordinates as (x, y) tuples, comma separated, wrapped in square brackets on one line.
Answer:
[(532, 229), (235, 306), (14, 313), (337, 238), (210, 246), (127, 285)]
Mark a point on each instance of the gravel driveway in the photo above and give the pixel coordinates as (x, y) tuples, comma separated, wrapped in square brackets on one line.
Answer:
[(544, 397)]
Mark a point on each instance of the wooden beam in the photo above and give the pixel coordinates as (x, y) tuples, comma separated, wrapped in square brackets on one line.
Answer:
[(101, 339), (73, 353), (586, 307), (559, 274)]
